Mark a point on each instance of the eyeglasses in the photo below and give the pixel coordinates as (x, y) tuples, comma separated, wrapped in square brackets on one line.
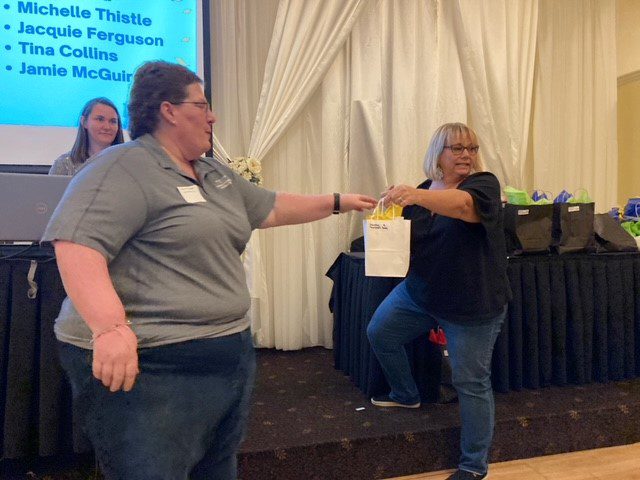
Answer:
[(458, 149), (201, 105)]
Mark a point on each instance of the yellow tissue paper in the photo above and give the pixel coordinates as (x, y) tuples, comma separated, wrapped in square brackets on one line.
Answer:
[(392, 212)]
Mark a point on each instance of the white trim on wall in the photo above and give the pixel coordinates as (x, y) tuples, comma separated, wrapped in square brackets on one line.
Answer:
[(628, 78)]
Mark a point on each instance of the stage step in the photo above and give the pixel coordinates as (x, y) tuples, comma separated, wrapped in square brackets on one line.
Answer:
[(308, 421)]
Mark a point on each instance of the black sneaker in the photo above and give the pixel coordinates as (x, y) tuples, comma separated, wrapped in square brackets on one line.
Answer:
[(465, 475), (385, 401)]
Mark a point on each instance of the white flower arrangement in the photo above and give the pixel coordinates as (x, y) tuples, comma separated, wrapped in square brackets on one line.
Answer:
[(248, 168)]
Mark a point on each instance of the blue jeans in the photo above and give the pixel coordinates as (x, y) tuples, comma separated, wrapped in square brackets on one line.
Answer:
[(397, 321), (184, 418)]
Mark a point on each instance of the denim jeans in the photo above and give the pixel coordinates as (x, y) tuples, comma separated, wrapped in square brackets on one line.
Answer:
[(184, 417), (397, 321)]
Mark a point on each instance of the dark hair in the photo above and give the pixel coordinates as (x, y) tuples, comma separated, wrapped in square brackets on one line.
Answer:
[(154, 83), (80, 150)]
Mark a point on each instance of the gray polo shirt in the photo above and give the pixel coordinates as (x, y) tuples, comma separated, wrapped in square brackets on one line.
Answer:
[(172, 245)]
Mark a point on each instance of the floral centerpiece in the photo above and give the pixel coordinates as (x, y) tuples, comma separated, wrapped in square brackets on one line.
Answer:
[(247, 167)]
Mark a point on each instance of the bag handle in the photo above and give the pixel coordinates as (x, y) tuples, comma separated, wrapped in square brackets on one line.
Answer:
[(542, 200), (379, 213), (583, 198)]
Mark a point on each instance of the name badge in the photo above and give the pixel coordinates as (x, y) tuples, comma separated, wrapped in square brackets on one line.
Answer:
[(191, 194), (575, 208)]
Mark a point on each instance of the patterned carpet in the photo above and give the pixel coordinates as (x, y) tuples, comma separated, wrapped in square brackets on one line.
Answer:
[(309, 422)]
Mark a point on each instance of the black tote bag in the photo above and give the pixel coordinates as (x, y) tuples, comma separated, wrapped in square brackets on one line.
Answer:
[(528, 228), (610, 236), (573, 227)]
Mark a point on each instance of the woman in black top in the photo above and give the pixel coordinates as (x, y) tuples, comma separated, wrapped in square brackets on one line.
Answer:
[(457, 279)]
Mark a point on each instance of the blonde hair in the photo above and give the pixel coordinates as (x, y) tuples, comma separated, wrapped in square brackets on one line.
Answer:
[(438, 141)]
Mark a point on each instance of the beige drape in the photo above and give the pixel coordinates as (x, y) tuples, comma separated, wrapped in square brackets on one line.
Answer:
[(574, 129)]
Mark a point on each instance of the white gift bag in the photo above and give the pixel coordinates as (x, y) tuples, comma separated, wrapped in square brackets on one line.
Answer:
[(386, 246)]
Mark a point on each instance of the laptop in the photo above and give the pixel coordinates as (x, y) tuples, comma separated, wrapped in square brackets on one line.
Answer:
[(27, 201)]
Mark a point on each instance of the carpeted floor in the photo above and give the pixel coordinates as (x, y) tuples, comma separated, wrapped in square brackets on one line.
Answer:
[(308, 422)]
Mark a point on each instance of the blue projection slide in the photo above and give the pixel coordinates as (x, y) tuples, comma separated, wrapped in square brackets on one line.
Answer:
[(58, 54)]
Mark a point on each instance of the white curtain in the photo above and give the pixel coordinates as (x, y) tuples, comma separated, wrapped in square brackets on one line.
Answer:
[(574, 127), (306, 38), (307, 35), (241, 33), (363, 120), (495, 43)]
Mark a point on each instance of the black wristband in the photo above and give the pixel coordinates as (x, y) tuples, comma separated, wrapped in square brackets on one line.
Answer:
[(336, 203)]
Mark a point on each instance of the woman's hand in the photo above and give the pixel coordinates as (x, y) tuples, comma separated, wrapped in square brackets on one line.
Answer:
[(356, 201), (115, 358), (402, 195), (449, 202), (86, 279)]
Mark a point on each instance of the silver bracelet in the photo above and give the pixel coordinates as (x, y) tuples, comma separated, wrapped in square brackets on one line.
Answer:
[(95, 336)]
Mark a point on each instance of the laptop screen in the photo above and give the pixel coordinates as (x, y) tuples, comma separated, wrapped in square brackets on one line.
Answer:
[(27, 201)]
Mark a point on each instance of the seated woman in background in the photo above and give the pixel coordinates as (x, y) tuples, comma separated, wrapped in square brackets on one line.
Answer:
[(100, 127)]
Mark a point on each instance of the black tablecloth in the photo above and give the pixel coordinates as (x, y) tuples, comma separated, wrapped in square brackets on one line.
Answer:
[(35, 403), (573, 319)]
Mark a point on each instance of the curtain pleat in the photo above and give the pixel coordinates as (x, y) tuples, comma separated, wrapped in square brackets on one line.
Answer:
[(628, 297), (586, 292), (615, 322), (601, 334), (515, 327), (543, 302), (575, 325), (530, 322)]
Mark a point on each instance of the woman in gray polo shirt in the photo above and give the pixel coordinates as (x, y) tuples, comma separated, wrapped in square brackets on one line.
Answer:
[(148, 240)]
